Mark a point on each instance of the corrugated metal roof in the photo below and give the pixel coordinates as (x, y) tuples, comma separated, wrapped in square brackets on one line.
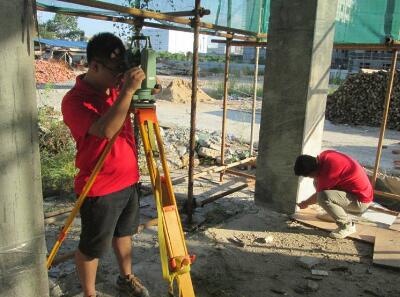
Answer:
[(62, 43)]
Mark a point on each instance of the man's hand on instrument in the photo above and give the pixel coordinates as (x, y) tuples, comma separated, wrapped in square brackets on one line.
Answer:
[(133, 79)]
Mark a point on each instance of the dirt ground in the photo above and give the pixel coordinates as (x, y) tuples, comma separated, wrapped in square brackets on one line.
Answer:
[(242, 251)]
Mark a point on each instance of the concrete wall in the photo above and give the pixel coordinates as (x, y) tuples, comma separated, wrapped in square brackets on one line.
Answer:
[(295, 88), (22, 247)]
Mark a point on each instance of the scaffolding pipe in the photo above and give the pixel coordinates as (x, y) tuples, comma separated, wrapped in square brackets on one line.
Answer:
[(255, 86), (389, 90), (159, 16), (196, 21), (97, 16), (226, 78), (254, 104)]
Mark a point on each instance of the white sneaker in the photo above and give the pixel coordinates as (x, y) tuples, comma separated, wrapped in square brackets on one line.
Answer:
[(343, 232)]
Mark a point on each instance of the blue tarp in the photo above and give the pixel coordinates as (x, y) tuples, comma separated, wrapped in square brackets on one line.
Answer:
[(62, 43)]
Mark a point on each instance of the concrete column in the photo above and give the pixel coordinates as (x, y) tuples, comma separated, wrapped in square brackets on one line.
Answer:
[(300, 40), (22, 247)]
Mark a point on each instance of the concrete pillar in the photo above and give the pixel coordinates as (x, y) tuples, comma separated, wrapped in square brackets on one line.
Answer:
[(22, 247), (300, 40)]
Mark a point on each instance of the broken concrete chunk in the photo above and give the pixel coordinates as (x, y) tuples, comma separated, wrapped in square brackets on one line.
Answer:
[(279, 291), (237, 241), (207, 152), (319, 272), (264, 240), (308, 262), (312, 286)]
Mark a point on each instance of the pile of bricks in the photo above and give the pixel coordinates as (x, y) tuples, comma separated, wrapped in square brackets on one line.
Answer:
[(52, 71)]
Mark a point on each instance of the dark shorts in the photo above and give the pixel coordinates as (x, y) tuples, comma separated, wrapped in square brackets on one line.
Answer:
[(105, 217)]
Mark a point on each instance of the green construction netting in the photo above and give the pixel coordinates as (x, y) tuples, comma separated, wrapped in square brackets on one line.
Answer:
[(357, 21), (238, 14)]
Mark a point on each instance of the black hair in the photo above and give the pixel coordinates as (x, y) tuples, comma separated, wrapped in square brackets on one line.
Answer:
[(305, 165), (103, 45)]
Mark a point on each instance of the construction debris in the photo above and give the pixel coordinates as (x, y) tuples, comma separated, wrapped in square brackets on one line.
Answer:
[(360, 101), (52, 71), (180, 91)]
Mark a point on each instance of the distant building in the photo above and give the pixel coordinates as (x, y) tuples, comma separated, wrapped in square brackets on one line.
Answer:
[(219, 48), (72, 52), (174, 41)]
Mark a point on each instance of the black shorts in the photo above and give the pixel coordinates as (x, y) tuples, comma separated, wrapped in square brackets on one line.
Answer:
[(105, 217)]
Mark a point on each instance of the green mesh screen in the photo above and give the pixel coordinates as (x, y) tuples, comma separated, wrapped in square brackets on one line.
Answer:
[(238, 14), (357, 21), (367, 21)]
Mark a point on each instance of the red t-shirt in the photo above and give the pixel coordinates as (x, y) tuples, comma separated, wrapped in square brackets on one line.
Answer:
[(81, 107), (340, 172)]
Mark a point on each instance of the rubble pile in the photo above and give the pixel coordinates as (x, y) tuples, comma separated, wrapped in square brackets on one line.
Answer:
[(360, 101), (52, 71), (208, 148), (180, 91)]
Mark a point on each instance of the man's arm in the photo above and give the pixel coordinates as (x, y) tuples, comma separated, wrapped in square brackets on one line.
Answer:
[(306, 203), (110, 123)]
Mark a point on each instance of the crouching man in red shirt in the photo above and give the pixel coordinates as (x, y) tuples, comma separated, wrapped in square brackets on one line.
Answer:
[(341, 186), (95, 109)]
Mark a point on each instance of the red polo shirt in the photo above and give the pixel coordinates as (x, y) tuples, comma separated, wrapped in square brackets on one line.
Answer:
[(81, 107), (338, 171)]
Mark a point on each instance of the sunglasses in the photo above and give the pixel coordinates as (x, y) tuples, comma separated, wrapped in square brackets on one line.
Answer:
[(116, 71)]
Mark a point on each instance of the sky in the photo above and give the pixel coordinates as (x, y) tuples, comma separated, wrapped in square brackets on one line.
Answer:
[(90, 26)]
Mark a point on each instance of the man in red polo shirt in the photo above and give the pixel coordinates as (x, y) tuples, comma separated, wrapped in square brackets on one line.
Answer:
[(95, 109), (342, 186)]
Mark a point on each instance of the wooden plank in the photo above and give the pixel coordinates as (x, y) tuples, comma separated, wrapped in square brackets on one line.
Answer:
[(396, 224), (387, 249), (308, 216)]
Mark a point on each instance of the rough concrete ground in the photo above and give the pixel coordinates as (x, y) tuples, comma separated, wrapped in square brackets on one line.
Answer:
[(242, 251)]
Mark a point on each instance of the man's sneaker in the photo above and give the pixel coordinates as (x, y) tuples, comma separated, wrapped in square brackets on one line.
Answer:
[(344, 231), (131, 286)]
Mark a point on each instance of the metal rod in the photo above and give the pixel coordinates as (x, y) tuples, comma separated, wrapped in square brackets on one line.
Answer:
[(225, 101), (214, 169), (143, 13), (196, 21), (387, 195), (242, 174), (366, 46), (223, 194), (389, 89), (242, 43), (255, 86), (254, 104)]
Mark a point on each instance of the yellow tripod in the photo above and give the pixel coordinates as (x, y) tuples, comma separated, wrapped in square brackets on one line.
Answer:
[(175, 259)]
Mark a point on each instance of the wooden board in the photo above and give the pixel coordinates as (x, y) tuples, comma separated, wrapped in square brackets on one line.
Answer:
[(387, 242), (396, 224), (387, 249), (308, 216)]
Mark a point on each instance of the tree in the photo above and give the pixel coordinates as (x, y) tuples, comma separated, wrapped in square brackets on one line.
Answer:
[(61, 27)]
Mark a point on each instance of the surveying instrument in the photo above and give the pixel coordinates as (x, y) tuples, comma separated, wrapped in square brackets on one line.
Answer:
[(175, 259)]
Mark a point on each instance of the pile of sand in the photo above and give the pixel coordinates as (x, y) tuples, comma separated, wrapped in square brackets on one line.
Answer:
[(180, 91)]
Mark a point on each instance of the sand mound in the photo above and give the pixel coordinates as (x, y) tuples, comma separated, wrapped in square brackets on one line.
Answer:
[(180, 91)]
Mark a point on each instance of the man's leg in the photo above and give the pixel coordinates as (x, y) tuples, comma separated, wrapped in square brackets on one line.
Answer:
[(99, 216), (127, 225), (335, 202), (87, 268), (123, 251)]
